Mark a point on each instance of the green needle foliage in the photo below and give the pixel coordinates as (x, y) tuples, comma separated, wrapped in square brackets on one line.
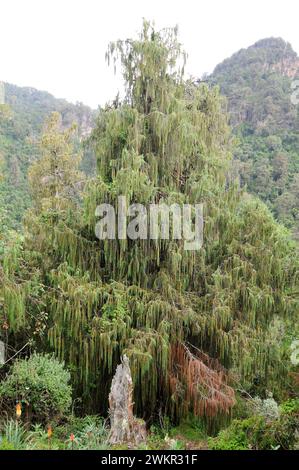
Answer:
[(91, 301)]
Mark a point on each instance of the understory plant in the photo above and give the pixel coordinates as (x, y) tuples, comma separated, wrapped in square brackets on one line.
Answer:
[(12, 435), (40, 384), (261, 433)]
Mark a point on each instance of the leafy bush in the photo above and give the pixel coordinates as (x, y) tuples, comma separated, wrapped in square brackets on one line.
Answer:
[(267, 408), (258, 433), (290, 406), (240, 435), (42, 383), (281, 433)]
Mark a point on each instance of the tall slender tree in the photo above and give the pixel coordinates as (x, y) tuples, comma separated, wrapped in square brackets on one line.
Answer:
[(191, 323)]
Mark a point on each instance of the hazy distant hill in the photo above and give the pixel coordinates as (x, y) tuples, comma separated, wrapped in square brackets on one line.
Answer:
[(257, 82)]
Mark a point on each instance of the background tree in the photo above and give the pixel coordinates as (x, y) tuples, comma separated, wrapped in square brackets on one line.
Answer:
[(54, 179)]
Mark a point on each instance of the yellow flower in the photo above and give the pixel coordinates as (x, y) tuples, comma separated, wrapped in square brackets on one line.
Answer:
[(18, 410), (49, 432)]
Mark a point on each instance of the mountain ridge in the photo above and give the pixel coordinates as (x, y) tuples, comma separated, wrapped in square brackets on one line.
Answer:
[(284, 49), (257, 83)]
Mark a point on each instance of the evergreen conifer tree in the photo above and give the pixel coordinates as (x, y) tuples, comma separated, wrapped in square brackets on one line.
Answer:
[(193, 323)]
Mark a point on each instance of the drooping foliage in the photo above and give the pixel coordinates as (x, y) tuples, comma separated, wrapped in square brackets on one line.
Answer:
[(200, 375), (166, 142)]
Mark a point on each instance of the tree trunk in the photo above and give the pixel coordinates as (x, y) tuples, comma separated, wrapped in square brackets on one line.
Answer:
[(124, 426)]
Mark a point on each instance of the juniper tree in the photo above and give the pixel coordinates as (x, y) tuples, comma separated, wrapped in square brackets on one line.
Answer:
[(183, 318), (55, 184), (54, 178)]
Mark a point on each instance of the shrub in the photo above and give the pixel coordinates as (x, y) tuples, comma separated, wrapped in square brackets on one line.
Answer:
[(42, 383), (267, 408), (280, 434), (258, 433), (240, 435), (290, 406)]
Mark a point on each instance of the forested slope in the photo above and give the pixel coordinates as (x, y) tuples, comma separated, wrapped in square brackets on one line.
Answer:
[(257, 83)]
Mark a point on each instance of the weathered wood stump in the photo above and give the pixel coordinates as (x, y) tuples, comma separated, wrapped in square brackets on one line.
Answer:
[(124, 426), (2, 353)]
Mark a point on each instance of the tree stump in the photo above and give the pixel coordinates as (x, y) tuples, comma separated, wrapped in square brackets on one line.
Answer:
[(124, 426), (2, 353)]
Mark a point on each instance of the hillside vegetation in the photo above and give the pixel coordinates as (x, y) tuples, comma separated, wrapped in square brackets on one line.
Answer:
[(21, 123), (257, 83)]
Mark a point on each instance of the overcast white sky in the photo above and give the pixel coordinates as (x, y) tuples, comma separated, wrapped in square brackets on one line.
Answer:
[(59, 45)]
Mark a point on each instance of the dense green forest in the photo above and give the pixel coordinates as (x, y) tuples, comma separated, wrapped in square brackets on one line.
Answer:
[(257, 82), (210, 334)]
